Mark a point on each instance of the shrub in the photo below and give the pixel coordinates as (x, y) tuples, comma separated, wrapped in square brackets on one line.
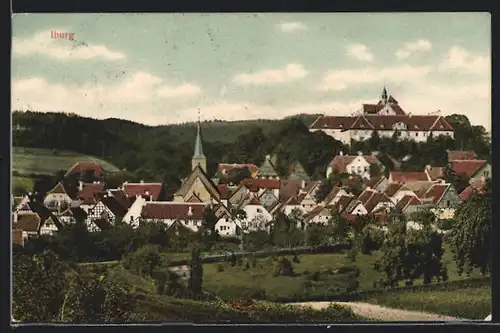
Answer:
[(314, 276), (220, 268), (144, 261), (284, 268), (446, 224)]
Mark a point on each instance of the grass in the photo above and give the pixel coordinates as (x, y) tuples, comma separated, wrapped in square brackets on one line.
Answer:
[(470, 302), (25, 183), (235, 282), (38, 161)]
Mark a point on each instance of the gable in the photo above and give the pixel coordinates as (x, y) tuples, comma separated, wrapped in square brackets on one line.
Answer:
[(198, 174), (267, 169), (297, 172)]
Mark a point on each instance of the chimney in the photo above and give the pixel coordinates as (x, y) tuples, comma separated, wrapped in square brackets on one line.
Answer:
[(142, 181), (360, 153), (409, 114), (341, 153), (190, 211), (303, 184), (80, 185)]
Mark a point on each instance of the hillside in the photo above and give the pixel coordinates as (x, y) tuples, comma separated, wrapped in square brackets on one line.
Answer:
[(39, 161)]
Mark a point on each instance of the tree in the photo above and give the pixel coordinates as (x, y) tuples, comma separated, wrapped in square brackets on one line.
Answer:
[(409, 254), (340, 226), (470, 237), (375, 170), (38, 284), (208, 227), (196, 272), (144, 261), (459, 182)]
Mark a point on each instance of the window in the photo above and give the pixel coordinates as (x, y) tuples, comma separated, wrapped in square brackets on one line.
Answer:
[(486, 174), (381, 125), (243, 224), (361, 138), (416, 134), (366, 169), (447, 203), (258, 210), (186, 222), (362, 126), (354, 132), (441, 126)]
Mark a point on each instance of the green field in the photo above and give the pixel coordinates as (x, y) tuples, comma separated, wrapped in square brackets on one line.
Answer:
[(235, 282), (469, 302), (37, 161)]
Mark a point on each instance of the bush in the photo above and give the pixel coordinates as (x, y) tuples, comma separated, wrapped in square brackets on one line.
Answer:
[(283, 268), (445, 224), (372, 239), (314, 276), (144, 261), (220, 268)]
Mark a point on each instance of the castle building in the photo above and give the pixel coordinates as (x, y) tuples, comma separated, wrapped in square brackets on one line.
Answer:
[(386, 117)]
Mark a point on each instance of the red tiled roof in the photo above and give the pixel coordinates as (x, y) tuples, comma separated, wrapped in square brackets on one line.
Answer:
[(170, 210), (436, 192), (17, 236), (27, 222), (374, 200), (384, 122), (475, 186), (454, 155), (366, 195), (467, 168), (224, 168), (142, 189), (355, 180), (392, 189), (261, 183), (373, 181), (290, 188), (408, 200), (342, 203), (88, 193), (333, 193), (340, 162), (122, 198), (397, 176), (224, 191), (83, 167)]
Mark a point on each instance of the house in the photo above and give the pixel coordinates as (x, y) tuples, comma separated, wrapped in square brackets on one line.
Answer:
[(335, 194), (226, 170), (408, 204), (378, 183), (434, 173), (471, 169), (408, 176), (29, 224), (197, 183), (386, 117), (237, 195), (260, 185), (319, 214), (106, 213), (57, 198), (397, 191), (151, 191), (475, 186), (227, 225), (18, 236), (342, 203), (454, 155), (378, 203), (89, 194), (189, 215), (257, 217), (355, 165), (267, 170), (356, 207), (297, 172), (268, 199), (82, 168), (443, 199)]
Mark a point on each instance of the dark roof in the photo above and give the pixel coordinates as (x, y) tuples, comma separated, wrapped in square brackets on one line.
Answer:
[(83, 167), (143, 189), (27, 222), (114, 206)]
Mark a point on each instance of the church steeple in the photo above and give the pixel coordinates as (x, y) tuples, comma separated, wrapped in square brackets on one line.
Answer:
[(198, 155), (384, 95)]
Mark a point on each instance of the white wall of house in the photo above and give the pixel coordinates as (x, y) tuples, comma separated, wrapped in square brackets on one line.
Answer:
[(287, 210), (359, 210), (359, 166), (485, 172), (58, 198), (226, 227), (48, 228), (444, 213), (256, 219), (322, 217), (135, 210), (387, 206)]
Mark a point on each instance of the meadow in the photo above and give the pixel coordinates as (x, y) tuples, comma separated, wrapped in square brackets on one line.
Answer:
[(38, 161)]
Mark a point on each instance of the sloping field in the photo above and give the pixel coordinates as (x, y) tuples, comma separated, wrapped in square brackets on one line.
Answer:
[(27, 161)]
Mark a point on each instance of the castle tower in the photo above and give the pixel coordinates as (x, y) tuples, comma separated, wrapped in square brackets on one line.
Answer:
[(198, 156)]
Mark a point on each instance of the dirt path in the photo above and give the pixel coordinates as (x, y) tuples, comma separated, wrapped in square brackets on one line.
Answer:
[(377, 312)]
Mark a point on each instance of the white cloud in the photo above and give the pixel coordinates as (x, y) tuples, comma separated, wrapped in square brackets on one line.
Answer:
[(458, 59), (360, 52), (141, 92), (342, 79), (291, 26), (413, 48), (291, 72), (43, 43)]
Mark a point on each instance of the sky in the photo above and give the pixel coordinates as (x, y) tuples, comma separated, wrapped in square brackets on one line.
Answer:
[(166, 68)]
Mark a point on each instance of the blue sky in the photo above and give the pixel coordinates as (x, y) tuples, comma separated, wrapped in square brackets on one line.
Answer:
[(163, 68)]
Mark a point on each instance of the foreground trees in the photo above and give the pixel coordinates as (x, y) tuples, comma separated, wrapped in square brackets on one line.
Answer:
[(470, 238)]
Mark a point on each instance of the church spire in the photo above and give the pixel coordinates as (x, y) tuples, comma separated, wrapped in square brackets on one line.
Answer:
[(384, 95), (199, 158)]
